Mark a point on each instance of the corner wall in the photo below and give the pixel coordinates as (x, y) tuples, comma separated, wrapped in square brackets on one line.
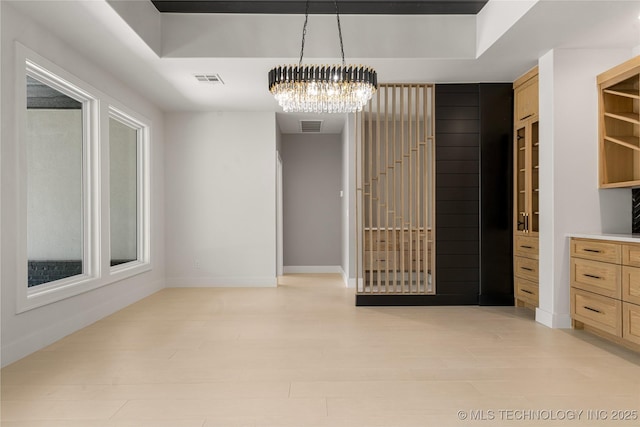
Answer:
[(570, 201), (32, 330), (221, 199)]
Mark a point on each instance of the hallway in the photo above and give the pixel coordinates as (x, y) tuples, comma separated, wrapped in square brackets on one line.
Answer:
[(303, 355)]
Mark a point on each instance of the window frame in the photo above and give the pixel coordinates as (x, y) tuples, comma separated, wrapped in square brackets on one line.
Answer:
[(143, 243), (97, 109)]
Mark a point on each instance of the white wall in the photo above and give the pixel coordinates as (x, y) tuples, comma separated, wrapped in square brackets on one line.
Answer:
[(29, 331), (312, 178), (220, 207), (569, 197), (349, 258)]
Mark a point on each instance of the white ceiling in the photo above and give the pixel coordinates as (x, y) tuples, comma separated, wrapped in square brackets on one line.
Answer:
[(159, 54)]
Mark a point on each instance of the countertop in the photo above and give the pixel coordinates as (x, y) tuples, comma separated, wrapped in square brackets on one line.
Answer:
[(628, 237)]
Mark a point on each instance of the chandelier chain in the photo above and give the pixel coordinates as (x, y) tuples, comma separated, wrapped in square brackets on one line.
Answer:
[(304, 31), (335, 2)]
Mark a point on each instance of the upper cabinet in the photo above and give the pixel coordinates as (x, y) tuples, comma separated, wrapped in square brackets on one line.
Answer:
[(619, 125), (526, 96), (526, 143)]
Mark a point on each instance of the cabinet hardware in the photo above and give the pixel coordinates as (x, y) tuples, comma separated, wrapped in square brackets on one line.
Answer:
[(526, 291), (527, 268), (592, 276), (526, 222), (526, 247), (592, 309), (523, 223), (592, 250)]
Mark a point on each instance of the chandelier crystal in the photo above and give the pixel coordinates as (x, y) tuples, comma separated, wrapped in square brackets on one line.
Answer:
[(322, 88)]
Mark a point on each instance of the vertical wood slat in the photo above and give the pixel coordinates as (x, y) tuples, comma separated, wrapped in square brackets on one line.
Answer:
[(371, 248), (398, 222), (402, 204), (395, 195), (387, 189), (432, 175), (378, 182), (418, 255)]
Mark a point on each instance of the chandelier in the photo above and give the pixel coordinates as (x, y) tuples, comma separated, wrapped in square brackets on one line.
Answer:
[(337, 88)]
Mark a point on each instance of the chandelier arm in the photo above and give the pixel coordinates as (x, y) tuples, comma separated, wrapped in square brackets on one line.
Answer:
[(304, 32), (335, 2)]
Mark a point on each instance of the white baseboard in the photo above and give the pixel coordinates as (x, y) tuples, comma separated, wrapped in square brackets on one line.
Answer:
[(345, 278), (352, 283), (222, 282), (553, 320), (48, 334), (312, 269)]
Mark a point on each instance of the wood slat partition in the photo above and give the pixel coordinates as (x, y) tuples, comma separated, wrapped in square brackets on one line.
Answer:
[(396, 191)]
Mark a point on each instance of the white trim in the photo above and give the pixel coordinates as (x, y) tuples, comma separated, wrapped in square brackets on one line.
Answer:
[(312, 269), (352, 283), (48, 334), (221, 282), (552, 320), (97, 107), (32, 64), (345, 277), (279, 218), (143, 261)]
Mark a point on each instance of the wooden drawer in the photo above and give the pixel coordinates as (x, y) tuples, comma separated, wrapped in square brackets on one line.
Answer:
[(411, 240), (526, 246), (631, 322), (379, 240), (526, 268), (598, 277), (526, 291), (411, 260), (380, 260), (597, 250), (631, 255), (597, 311), (631, 284)]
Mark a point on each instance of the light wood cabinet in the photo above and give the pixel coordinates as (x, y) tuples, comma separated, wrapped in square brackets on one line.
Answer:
[(619, 125), (605, 289), (526, 189)]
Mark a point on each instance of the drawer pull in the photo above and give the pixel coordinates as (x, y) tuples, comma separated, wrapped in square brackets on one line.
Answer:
[(593, 250), (526, 291), (527, 268), (592, 309), (592, 276), (526, 247)]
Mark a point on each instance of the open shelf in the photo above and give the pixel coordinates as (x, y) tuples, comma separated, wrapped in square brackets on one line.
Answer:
[(629, 93), (619, 125), (627, 117)]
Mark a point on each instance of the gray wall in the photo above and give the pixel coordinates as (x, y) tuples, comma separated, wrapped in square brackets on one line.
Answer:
[(312, 180)]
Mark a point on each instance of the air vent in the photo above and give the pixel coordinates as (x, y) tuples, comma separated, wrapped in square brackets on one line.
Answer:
[(209, 78), (310, 126)]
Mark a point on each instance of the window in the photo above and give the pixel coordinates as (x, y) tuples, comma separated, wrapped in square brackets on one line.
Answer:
[(127, 190), (55, 147), (83, 191)]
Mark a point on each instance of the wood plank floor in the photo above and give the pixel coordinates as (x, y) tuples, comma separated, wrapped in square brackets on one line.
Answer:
[(303, 355)]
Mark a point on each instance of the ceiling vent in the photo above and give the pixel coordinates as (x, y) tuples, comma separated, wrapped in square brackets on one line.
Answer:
[(310, 126), (209, 78)]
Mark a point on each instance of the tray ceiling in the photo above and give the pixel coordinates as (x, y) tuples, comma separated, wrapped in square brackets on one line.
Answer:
[(347, 7)]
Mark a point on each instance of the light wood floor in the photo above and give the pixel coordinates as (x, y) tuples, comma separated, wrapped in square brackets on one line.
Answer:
[(303, 355)]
